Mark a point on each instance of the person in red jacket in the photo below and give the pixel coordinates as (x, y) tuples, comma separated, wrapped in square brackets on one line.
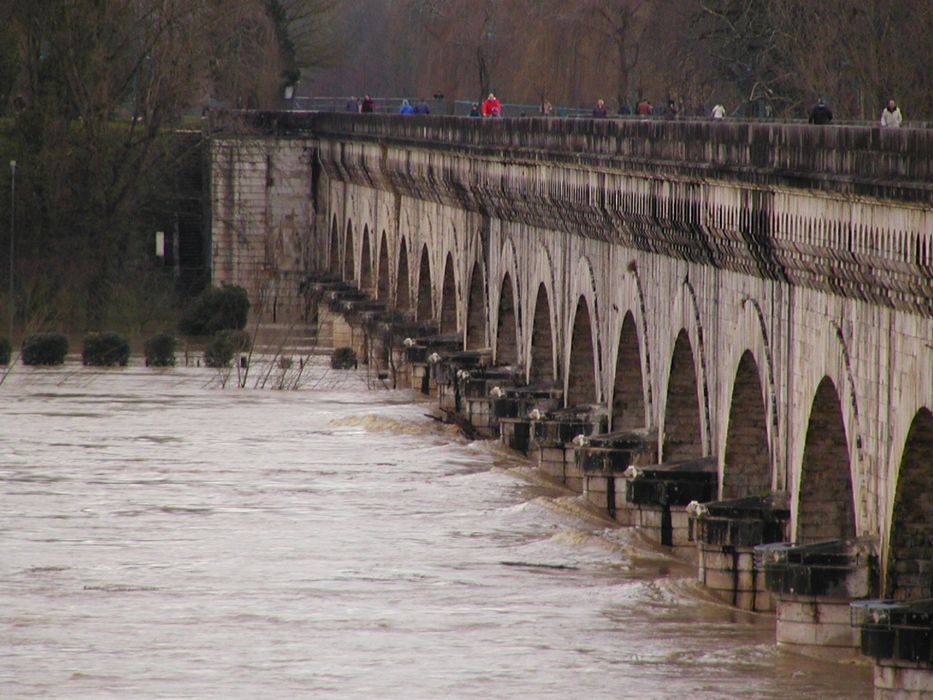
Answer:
[(491, 106)]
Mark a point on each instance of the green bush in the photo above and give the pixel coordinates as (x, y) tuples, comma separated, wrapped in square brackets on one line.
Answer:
[(160, 350), (45, 349), (224, 346), (240, 340), (343, 358), (218, 353), (105, 350), (216, 310), (6, 351)]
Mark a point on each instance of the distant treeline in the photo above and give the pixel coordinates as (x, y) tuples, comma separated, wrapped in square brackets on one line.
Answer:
[(757, 57)]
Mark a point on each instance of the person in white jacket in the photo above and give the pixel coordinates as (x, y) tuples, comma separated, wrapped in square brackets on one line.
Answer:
[(891, 115)]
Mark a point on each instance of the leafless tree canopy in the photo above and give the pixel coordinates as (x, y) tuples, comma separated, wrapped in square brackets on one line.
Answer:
[(94, 90), (757, 57)]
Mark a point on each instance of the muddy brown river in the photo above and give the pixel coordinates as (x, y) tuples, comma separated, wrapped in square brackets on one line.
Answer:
[(163, 537)]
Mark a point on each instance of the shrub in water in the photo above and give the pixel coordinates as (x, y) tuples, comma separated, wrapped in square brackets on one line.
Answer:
[(105, 350), (218, 353), (238, 339), (224, 346), (6, 350), (45, 349), (343, 358), (160, 350), (216, 310)]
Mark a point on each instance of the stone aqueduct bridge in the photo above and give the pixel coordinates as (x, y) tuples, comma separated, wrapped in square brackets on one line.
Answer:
[(759, 293)]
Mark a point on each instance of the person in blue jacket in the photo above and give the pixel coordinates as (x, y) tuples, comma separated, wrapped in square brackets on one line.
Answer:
[(406, 108)]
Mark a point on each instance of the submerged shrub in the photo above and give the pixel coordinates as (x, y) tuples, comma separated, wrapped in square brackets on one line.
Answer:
[(239, 340), (105, 350), (160, 350), (45, 349), (216, 310), (218, 353), (343, 358), (224, 346), (6, 351)]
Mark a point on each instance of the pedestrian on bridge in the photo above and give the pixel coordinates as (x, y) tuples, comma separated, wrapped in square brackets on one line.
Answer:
[(821, 113), (406, 108), (491, 106), (353, 105), (421, 107), (891, 116), (368, 106), (600, 111), (718, 113)]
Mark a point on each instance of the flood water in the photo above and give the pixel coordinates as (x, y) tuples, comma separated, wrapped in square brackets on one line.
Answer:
[(163, 537)]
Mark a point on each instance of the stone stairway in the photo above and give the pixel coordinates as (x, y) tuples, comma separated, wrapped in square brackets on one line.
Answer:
[(288, 340)]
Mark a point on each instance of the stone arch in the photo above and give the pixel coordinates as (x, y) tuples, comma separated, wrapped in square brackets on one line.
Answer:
[(683, 438), (334, 263), (628, 398), (508, 267), (402, 290), (449, 298), (382, 278), (583, 283), (581, 374), (382, 271), (747, 461), (541, 366), (506, 336), (476, 310), (366, 263), (425, 311), (910, 549), (825, 509), (348, 258)]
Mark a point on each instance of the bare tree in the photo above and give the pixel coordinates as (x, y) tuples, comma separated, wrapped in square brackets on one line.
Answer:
[(621, 23), (101, 85)]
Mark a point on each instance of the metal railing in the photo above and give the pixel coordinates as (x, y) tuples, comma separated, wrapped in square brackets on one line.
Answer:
[(462, 108)]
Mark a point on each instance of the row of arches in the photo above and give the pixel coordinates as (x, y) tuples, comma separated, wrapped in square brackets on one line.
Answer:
[(825, 508)]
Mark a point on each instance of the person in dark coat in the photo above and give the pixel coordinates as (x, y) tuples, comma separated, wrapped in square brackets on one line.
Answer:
[(421, 107), (368, 106), (600, 111), (821, 114)]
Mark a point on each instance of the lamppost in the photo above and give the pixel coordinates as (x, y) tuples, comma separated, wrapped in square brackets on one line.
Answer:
[(12, 240)]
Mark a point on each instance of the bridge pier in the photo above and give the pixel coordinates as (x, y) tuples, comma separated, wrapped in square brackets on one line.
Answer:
[(657, 496), (726, 534), (555, 436), (898, 635), (813, 586), (516, 408), (604, 460)]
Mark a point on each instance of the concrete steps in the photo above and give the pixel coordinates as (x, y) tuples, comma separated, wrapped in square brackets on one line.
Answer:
[(288, 340)]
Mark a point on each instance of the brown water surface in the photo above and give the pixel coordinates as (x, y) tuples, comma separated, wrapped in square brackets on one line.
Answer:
[(161, 537)]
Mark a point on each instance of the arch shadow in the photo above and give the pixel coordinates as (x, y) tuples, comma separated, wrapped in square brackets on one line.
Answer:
[(825, 507), (747, 460)]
